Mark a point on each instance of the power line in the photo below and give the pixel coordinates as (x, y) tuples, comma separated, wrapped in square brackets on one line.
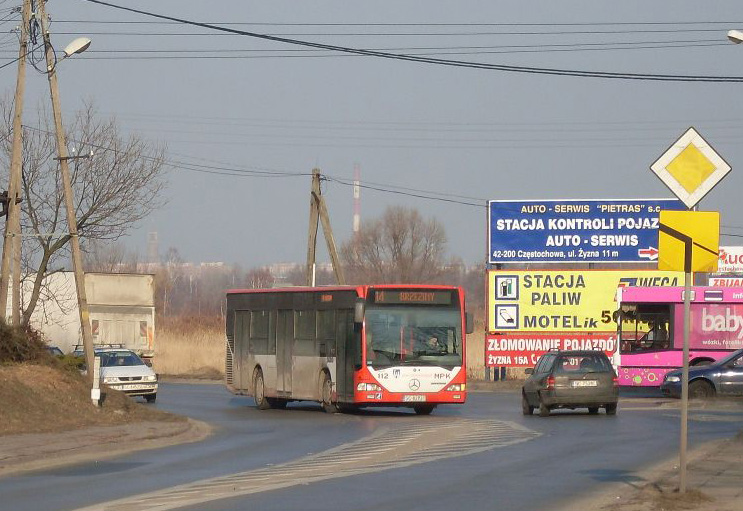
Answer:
[(418, 24), (234, 171), (444, 62), (400, 34), (227, 54)]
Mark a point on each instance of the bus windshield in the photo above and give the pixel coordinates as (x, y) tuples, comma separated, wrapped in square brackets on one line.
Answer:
[(644, 327), (413, 336)]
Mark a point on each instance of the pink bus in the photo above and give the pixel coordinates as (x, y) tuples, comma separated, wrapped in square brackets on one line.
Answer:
[(650, 324)]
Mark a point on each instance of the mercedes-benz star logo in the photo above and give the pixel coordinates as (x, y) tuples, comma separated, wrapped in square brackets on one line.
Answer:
[(414, 384)]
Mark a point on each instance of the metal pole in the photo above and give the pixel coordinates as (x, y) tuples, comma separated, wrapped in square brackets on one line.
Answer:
[(685, 370), (12, 226), (77, 260)]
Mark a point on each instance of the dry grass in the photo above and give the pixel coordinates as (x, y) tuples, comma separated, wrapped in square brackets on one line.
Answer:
[(190, 347), (38, 398), (476, 351)]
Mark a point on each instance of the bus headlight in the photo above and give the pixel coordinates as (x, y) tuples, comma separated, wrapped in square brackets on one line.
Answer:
[(369, 387), (457, 387), (673, 379)]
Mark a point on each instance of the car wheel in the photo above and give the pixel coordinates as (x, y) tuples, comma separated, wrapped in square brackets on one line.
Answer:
[(611, 409), (151, 398), (593, 410), (701, 389), (526, 408), (544, 410), (326, 393), (259, 391), (424, 409)]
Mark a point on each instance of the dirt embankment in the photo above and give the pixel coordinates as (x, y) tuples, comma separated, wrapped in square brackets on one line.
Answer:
[(37, 398)]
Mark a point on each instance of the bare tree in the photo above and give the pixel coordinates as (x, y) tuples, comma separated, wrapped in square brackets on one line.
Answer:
[(119, 186), (110, 258), (399, 247), (259, 278)]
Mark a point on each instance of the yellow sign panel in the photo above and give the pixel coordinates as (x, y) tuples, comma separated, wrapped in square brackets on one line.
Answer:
[(563, 301), (700, 230)]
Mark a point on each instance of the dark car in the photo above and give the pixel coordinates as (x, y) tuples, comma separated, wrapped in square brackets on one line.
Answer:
[(571, 379), (724, 377)]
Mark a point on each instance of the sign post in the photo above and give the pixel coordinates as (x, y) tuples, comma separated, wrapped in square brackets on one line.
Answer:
[(690, 168)]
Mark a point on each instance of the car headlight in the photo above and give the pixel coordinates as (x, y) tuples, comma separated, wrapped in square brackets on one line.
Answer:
[(110, 379), (150, 378), (673, 379)]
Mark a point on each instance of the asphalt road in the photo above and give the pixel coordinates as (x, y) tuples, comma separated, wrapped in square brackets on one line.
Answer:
[(483, 455)]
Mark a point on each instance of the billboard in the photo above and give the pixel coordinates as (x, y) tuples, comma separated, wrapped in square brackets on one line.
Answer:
[(726, 281), (731, 260), (563, 300), (582, 231), (524, 349)]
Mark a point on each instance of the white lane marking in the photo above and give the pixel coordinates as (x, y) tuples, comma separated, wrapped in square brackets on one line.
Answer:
[(440, 438)]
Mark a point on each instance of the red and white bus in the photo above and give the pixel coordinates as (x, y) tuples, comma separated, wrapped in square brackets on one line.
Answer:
[(651, 330), (348, 346)]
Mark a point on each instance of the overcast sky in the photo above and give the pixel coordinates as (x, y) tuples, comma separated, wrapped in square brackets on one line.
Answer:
[(463, 135)]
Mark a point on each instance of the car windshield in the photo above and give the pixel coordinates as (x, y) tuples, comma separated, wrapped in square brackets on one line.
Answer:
[(730, 357), (584, 363), (413, 336), (119, 358)]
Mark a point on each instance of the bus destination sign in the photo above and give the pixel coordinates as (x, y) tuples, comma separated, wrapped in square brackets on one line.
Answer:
[(575, 231), (412, 296)]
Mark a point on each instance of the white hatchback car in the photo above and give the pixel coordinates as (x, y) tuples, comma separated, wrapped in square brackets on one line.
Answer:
[(123, 370)]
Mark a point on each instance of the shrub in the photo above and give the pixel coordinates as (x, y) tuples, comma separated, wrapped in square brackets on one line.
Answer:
[(20, 344)]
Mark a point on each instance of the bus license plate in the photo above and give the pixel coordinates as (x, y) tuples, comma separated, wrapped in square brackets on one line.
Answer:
[(585, 383), (407, 398)]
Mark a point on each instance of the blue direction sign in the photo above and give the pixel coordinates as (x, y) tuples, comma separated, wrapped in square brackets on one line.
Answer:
[(569, 231)]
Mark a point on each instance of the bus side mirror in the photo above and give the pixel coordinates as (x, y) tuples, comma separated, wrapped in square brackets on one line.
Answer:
[(469, 323), (358, 312)]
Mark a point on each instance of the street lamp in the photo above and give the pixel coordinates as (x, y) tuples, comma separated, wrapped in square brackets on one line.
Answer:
[(79, 45), (735, 36)]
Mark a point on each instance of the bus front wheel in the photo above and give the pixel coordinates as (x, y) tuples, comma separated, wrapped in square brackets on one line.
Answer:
[(326, 393), (259, 391)]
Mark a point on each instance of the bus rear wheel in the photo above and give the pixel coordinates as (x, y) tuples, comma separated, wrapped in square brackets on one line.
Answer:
[(326, 393), (259, 391), (424, 409)]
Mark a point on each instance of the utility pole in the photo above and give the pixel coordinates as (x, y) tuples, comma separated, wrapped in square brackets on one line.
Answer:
[(12, 238), (318, 211), (77, 260)]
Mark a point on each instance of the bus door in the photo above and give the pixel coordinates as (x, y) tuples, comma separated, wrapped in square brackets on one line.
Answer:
[(346, 354), (241, 350), (284, 342)]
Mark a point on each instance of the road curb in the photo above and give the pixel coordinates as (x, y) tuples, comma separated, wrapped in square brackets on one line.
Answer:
[(42, 451)]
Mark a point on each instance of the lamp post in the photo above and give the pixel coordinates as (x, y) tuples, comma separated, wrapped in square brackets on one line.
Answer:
[(77, 46)]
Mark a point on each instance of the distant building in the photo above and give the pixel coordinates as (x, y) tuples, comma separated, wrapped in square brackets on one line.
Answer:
[(121, 307)]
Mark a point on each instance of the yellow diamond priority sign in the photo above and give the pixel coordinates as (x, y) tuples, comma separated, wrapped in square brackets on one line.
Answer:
[(690, 168)]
